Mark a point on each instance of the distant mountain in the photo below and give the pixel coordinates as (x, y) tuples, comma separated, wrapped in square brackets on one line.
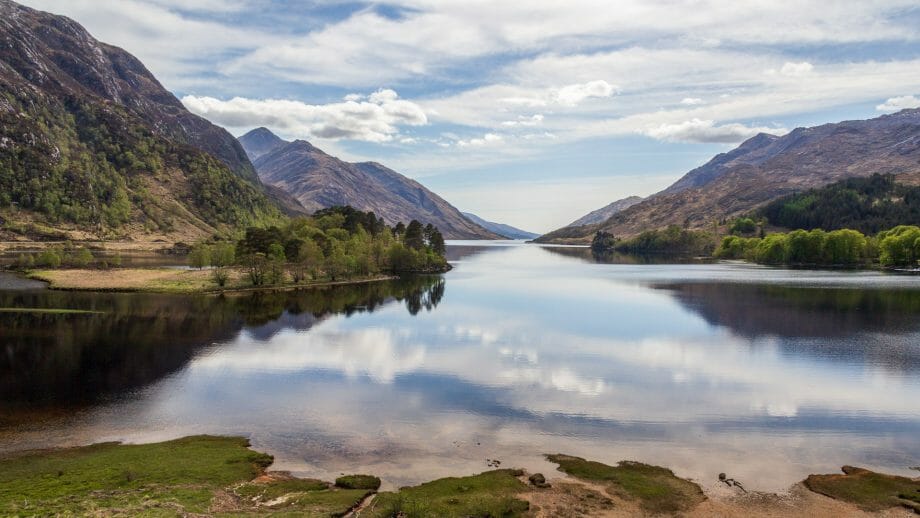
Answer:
[(767, 167), (318, 180), (91, 144), (604, 213), (260, 141), (500, 228)]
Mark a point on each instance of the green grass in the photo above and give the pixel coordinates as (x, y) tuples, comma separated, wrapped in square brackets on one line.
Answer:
[(50, 311), (358, 482), (173, 478), (657, 489), (869, 490), (488, 494), (147, 479)]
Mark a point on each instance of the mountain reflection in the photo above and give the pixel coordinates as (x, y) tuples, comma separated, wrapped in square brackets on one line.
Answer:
[(866, 326), (132, 340)]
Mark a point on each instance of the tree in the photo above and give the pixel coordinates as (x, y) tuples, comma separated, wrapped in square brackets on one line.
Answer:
[(336, 261), (222, 256), (437, 243), (743, 226), (200, 256), (414, 237), (81, 258), (275, 266), (49, 257), (603, 241), (772, 249), (898, 246), (844, 247), (311, 257), (255, 267)]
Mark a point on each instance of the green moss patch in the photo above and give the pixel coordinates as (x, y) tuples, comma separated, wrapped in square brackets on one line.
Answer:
[(358, 482), (869, 490), (492, 493), (656, 488)]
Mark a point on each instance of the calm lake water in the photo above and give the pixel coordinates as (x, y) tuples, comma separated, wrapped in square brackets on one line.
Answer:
[(765, 374)]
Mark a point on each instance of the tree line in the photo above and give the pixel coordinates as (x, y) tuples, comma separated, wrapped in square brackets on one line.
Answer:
[(896, 247), (672, 240), (335, 244)]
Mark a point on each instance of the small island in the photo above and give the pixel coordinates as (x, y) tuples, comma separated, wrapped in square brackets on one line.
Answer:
[(339, 245)]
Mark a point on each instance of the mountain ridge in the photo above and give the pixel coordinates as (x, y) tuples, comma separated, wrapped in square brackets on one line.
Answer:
[(319, 180), (602, 214), (501, 229), (766, 167)]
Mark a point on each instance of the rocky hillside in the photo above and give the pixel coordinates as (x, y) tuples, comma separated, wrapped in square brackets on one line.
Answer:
[(500, 228), (92, 145), (767, 167), (318, 180)]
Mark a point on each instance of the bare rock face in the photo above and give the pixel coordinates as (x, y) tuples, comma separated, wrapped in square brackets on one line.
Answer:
[(318, 180), (767, 167)]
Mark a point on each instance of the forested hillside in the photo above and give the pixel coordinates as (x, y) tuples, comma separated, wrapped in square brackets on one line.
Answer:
[(869, 205)]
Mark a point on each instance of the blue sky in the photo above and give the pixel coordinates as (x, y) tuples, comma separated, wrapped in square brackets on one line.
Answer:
[(529, 113)]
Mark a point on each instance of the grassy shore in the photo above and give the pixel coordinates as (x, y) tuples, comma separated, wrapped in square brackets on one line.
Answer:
[(221, 476), (165, 280)]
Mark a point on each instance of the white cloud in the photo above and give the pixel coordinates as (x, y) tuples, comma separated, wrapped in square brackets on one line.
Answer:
[(697, 130), (573, 95), (522, 120), (899, 103), (691, 101), (790, 69), (375, 119), (487, 139)]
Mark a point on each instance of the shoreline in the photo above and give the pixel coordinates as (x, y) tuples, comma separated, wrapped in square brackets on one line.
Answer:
[(227, 476), (165, 280)]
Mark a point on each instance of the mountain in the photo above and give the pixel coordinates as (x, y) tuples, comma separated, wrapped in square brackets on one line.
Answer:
[(318, 180), (92, 145), (604, 213), (767, 167), (260, 141), (500, 228)]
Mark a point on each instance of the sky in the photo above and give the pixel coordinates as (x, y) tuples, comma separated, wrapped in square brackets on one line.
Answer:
[(527, 113)]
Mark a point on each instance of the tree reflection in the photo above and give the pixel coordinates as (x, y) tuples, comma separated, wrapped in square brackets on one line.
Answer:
[(131, 340)]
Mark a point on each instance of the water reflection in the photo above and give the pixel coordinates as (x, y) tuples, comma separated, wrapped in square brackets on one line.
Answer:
[(131, 340), (768, 374)]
